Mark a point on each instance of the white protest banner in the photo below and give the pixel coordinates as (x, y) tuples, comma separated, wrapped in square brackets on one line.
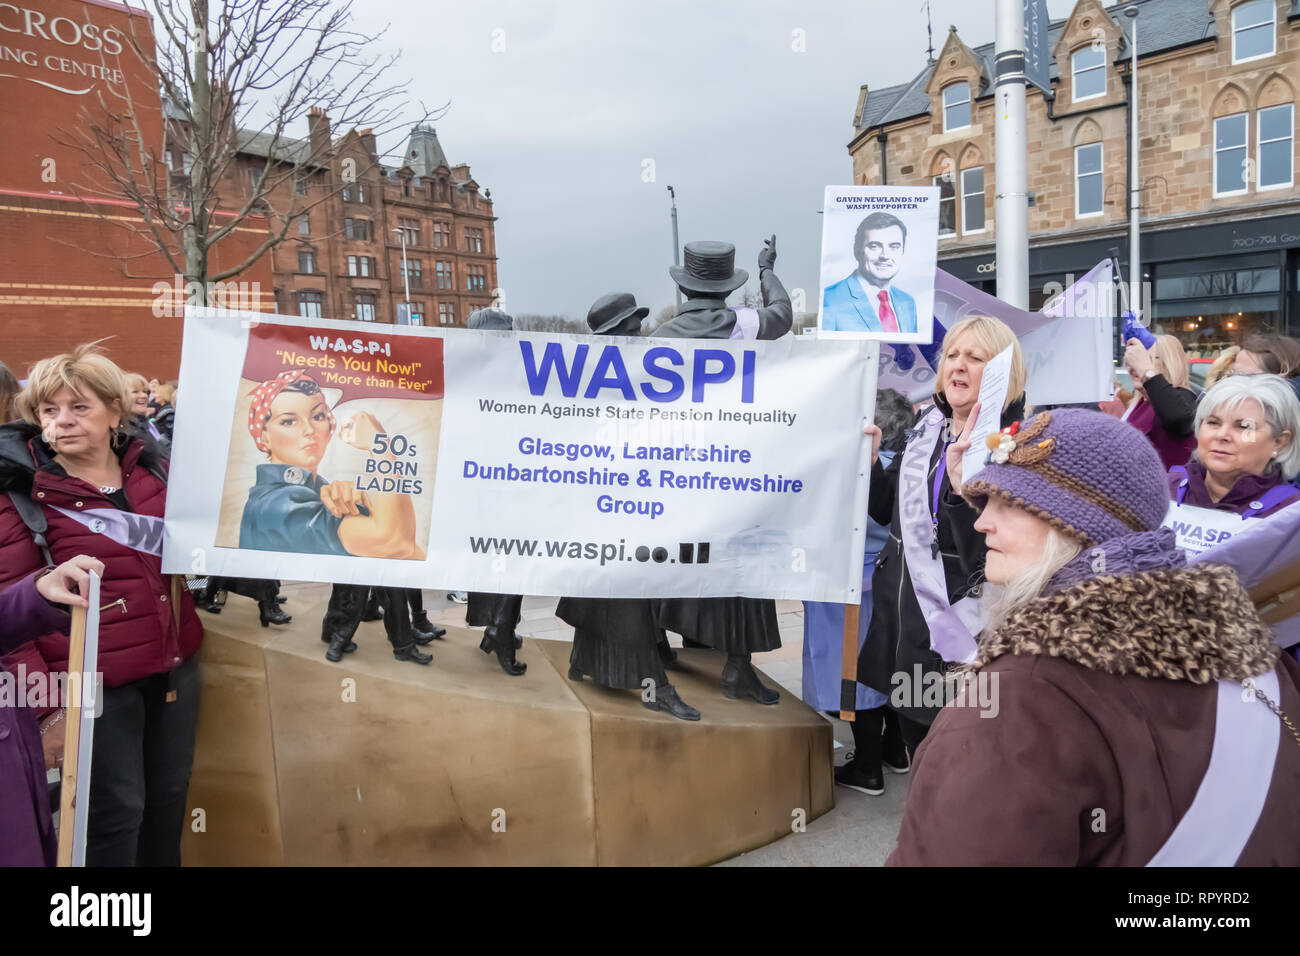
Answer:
[(1200, 529), (523, 463), (1068, 361), (1071, 359), (993, 397), (879, 248)]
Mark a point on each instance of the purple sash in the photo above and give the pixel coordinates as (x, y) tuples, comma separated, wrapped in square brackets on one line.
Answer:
[(954, 628), (1227, 805), (142, 533), (746, 326)]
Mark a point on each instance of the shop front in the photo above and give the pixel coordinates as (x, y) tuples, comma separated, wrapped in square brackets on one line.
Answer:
[(1211, 284)]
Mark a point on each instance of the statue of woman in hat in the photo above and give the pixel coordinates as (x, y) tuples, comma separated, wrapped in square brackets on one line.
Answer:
[(617, 642), (497, 614), (738, 627)]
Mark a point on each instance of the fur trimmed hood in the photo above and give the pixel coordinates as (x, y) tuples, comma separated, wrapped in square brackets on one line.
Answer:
[(1192, 624)]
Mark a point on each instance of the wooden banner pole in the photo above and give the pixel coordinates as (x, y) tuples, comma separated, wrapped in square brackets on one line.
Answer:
[(71, 738), (849, 663)]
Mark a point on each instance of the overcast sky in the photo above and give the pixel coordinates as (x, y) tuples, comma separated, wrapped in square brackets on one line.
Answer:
[(561, 123)]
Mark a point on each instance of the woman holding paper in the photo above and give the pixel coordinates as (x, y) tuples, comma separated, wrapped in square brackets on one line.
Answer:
[(1246, 449), (1144, 716), (926, 583)]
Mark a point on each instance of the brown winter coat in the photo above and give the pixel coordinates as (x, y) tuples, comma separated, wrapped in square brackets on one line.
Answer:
[(1106, 701)]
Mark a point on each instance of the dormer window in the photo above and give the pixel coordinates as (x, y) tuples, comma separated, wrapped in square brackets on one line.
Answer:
[(1089, 72), (1254, 34), (956, 106)]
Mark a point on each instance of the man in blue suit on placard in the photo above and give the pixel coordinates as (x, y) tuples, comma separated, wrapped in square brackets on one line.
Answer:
[(866, 301)]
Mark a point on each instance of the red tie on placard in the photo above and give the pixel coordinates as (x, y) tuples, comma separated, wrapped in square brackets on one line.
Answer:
[(887, 319)]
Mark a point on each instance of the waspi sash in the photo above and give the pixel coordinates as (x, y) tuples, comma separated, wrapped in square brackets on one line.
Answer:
[(954, 628), (142, 533)]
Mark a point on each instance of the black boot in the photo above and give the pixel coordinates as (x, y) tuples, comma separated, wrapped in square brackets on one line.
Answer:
[(346, 645), (412, 653), (426, 631), (739, 679), (665, 698), (268, 612), (339, 645), (503, 644)]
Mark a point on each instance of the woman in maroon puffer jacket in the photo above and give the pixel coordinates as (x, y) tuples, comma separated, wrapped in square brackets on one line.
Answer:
[(103, 494)]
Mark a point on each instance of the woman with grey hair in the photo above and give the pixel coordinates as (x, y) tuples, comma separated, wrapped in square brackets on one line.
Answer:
[(1246, 449)]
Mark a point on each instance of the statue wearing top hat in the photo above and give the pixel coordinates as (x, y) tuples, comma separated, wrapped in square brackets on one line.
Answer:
[(708, 277), (738, 627), (498, 614), (616, 641)]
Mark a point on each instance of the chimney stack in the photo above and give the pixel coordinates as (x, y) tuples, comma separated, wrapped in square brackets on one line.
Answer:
[(367, 136), (318, 127)]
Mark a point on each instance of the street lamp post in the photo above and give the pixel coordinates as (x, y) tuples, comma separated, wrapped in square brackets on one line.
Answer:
[(1010, 147), (676, 245), (406, 276), (1134, 185)]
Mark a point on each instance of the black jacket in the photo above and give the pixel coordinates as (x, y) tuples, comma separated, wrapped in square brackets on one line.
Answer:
[(897, 637)]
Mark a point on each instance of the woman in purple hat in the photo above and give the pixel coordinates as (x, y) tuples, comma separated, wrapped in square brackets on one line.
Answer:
[(1123, 708)]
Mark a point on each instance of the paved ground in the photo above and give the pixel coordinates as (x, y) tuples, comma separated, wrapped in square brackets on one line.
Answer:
[(859, 831)]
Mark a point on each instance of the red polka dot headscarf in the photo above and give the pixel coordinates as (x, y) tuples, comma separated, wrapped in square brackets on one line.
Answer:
[(259, 411)]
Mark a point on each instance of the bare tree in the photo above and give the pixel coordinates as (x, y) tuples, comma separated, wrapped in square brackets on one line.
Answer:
[(229, 71), (549, 323), (651, 324)]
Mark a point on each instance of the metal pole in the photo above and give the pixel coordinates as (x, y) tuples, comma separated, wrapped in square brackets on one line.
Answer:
[(406, 279), (1134, 184), (1011, 156), (676, 245)]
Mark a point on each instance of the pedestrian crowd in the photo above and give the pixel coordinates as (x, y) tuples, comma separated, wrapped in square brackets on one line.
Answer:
[(1126, 695)]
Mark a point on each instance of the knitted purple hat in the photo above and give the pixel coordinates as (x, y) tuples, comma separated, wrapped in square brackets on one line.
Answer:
[(1090, 476)]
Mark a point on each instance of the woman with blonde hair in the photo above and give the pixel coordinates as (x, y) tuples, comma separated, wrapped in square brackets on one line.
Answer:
[(1222, 365), (927, 576), (1163, 406), (102, 492)]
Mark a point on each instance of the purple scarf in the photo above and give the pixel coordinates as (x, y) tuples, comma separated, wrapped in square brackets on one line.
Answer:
[(1130, 554)]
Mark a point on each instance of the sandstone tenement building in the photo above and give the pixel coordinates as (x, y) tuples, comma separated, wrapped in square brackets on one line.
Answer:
[(1220, 216)]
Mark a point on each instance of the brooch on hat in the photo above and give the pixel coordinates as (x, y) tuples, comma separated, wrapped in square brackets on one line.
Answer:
[(1001, 443), (1017, 445)]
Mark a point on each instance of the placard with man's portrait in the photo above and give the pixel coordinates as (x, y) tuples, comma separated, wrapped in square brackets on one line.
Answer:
[(880, 247)]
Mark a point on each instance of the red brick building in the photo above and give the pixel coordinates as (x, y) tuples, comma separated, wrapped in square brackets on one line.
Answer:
[(71, 270), (342, 258)]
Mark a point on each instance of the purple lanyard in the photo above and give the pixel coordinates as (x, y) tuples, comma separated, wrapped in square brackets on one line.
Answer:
[(938, 484)]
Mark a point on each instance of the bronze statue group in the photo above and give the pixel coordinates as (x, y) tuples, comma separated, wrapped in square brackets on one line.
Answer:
[(617, 643)]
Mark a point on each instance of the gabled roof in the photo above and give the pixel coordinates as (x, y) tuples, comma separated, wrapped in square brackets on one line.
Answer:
[(1163, 25), (287, 150)]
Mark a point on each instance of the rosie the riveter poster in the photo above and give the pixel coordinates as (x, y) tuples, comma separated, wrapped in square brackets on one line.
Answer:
[(333, 444)]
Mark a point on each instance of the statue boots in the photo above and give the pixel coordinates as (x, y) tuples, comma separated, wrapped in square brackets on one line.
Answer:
[(425, 630), (665, 698), (739, 679), (501, 640)]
